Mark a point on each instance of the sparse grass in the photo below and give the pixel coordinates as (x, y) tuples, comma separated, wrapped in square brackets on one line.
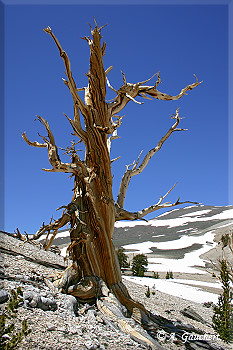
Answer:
[(9, 337)]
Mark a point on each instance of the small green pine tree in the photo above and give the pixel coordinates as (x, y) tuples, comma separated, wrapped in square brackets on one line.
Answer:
[(156, 275), (9, 338), (147, 294), (141, 272), (223, 311), (139, 264), (169, 274), (225, 239), (122, 258)]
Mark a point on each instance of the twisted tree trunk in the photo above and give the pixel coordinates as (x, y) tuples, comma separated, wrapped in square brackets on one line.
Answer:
[(92, 212)]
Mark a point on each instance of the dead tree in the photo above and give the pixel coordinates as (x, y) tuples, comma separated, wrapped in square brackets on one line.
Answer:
[(93, 211)]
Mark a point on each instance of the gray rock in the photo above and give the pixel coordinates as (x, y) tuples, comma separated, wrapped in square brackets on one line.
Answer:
[(102, 347), (69, 304), (34, 300), (4, 296), (91, 315), (46, 304), (90, 345), (30, 298), (62, 329), (50, 327)]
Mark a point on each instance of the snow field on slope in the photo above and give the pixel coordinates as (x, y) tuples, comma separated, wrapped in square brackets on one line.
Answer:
[(172, 287), (186, 264)]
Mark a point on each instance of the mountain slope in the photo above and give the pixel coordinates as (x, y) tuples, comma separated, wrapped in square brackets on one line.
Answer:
[(190, 223)]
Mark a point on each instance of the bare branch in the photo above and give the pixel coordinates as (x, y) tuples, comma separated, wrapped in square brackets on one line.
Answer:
[(138, 89), (108, 70), (124, 78), (145, 81), (62, 221), (55, 226), (113, 160), (34, 143), (81, 89), (138, 169), (110, 86), (114, 136), (76, 125), (153, 92), (133, 99), (76, 167), (122, 214), (70, 83)]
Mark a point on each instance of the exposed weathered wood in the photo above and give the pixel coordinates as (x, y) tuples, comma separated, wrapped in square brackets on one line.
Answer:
[(129, 91), (54, 159), (136, 169), (72, 87), (93, 211)]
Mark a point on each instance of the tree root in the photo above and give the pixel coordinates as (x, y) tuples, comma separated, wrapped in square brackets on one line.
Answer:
[(86, 289), (127, 315)]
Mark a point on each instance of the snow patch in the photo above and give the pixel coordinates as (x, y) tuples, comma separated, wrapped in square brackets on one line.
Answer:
[(62, 234), (176, 289), (63, 252), (197, 213), (158, 236), (187, 229), (168, 212)]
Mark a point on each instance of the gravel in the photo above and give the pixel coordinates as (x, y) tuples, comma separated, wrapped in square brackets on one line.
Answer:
[(59, 322)]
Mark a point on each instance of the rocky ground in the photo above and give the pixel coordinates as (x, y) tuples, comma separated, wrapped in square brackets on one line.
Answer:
[(57, 320)]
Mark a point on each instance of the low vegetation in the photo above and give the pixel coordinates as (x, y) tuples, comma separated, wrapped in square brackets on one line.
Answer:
[(223, 311), (9, 337), (156, 275), (169, 274), (147, 294)]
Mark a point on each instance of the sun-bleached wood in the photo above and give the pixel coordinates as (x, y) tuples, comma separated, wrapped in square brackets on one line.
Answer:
[(93, 211)]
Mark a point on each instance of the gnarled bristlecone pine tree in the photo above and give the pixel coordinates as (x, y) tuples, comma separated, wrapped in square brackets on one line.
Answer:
[(95, 273)]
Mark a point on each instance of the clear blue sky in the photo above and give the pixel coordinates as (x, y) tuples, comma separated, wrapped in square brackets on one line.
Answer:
[(178, 41)]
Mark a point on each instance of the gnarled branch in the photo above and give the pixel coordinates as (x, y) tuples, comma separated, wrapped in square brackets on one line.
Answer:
[(55, 226), (153, 92), (78, 103), (54, 159), (122, 214), (129, 91), (137, 169), (33, 143)]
